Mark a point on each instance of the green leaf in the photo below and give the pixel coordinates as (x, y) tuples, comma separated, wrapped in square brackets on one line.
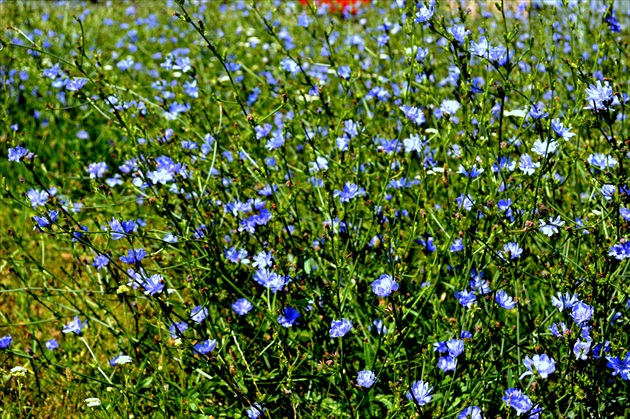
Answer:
[(308, 266)]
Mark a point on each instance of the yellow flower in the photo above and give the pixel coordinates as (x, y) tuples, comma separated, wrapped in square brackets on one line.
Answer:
[(123, 289)]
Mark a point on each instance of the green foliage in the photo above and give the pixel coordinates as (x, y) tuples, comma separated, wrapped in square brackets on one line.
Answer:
[(283, 131)]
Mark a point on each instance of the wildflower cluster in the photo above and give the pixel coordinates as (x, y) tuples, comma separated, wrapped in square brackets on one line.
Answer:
[(328, 208)]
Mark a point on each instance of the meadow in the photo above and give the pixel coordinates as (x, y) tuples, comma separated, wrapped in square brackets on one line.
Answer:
[(330, 209)]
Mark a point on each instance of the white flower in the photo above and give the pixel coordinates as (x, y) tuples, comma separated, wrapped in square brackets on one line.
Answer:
[(93, 401), (123, 359), (18, 371)]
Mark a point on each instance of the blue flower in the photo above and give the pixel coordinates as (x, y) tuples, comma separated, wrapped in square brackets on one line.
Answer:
[(37, 198), (384, 285), (620, 366), (513, 250), (447, 363), (601, 349), (558, 329), (388, 146), (424, 13), (620, 251), (519, 401), (119, 230), (255, 411), (162, 176), (288, 65), (421, 54), (457, 246), (450, 107), (339, 328), (465, 334), (112, 362), (5, 341), (191, 89), (413, 114), (379, 93), (466, 298), (75, 326), (205, 347), (564, 301), (477, 85), (52, 344), (440, 347), (380, 327), (615, 317), (428, 244), (153, 285), (133, 256), (242, 306), (276, 141), (271, 280), (414, 143), (45, 222), (125, 64), (538, 111), (608, 191), (465, 201), (455, 347), (601, 161), (198, 314), (612, 21), (344, 72), (75, 84), (342, 143), (320, 163), (582, 348), (472, 173), (478, 283), (562, 131), (459, 32), (420, 393), (53, 72), (304, 20), (543, 365), (177, 329), (351, 128), (16, 154), (581, 312), (100, 261), (545, 148), (183, 64), (366, 378), (237, 255), (504, 300), (527, 165), (600, 96), (551, 228), (288, 317), (170, 238), (350, 191), (471, 412), (263, 130), (503, 163)]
